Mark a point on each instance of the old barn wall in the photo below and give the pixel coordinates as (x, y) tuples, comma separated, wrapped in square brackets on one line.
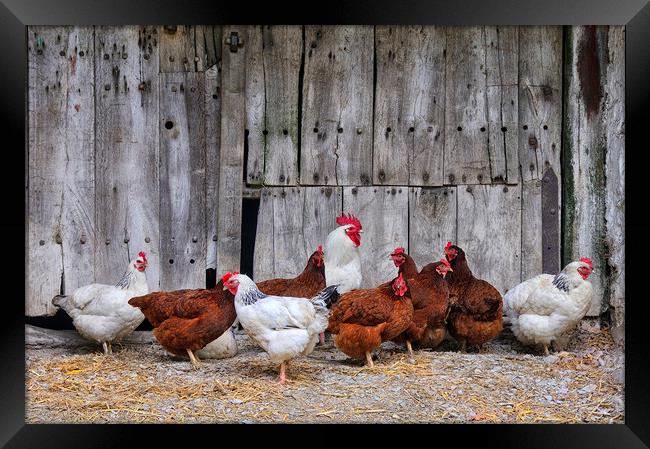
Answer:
[(506, 140)]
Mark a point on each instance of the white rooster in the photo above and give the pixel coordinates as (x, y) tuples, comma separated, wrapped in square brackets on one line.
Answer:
[(543, 308), (342, 259), (283, 326), (102, 312)]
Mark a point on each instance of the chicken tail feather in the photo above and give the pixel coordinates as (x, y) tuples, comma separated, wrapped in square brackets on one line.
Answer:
[(326, 297)]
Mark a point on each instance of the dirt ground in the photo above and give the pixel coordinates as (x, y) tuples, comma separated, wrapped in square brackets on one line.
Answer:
[(505, 383)]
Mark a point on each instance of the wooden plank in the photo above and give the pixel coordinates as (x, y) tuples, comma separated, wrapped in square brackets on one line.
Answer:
[(337, 106), (550, 230), (531, 228), (212, 142), (409, 105), (177, 50), (540, 100), (615, 177), (255, 104), (489, 230), (231, 163), (291, 223), (126, 150), (432, 222), (466, 159), (383, 212), (501, 60), (61, 207), (207, 43), (585, 148), (182, 181)]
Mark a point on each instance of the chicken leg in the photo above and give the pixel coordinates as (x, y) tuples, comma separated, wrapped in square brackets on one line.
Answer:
[(110, 347), (463, 346), (283, 372), (410, 350), (546, 350), (321, 338), (105, 346), (193, 358), (369, 360)]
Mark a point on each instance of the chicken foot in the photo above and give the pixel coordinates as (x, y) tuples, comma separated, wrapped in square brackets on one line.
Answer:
[(193, 358), (410, 350)]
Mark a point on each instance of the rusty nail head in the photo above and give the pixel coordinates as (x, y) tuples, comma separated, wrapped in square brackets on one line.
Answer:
[(125, 55), (214, 238), (147, 239), (126, 240), (42, 242), (195, 239), (107, 87), (505, 189), (108, 241), (359, 130)]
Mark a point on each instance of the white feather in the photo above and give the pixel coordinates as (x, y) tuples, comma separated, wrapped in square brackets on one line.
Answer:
[(342, 261)]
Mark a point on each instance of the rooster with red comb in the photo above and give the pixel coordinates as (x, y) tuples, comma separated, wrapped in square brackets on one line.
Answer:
[(341, 253), (543, 308)]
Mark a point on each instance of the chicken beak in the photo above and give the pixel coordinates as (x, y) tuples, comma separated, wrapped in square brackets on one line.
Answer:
[(360, 231), (450, 269), (225, 287)]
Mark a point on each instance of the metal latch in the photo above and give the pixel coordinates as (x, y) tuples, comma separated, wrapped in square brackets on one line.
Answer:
[(234, 41)]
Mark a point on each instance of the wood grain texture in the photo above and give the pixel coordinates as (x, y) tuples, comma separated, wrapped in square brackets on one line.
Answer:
[(432, 222), (212, 150), (383, 212), (182, 181), (531, 228), (177, 48), (126, 151), (501, 63), (207, 46), (292, 222), (409, 105), (255, 106), (467, 159), (489, 230), (231, 162), (61, 207), (337, 103), (615, 177)]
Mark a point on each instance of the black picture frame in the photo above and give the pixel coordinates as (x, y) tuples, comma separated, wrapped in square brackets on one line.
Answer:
[(15, 15)]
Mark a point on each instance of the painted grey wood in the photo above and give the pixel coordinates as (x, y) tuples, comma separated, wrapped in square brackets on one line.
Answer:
[(531, 228), (337, 100), (207, 46), (182, 181), (585, 150), (292, 222), (383, 212), (432, 222), (550, 230), (489, 230), (126, 151), (540, 100), (409, 105), (61, 207), (255, 104), (212, 150), (615, 176), (177, 48), (467, 159), (501, 63), (231, 162)]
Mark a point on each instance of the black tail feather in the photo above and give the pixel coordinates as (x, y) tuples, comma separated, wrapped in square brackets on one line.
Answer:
[(329, 295)]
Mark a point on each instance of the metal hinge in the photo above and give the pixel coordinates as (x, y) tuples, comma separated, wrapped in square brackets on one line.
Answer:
[(234, 41)]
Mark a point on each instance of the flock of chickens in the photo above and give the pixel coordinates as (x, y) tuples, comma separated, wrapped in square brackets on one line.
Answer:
[(288, 317)]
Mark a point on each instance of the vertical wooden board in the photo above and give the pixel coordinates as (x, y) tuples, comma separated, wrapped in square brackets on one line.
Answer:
[(182, 181), (61, 207), (584, 153), (212, 142), (432, 222), (409, 105), (383, 212), (264, 257), (255, 104), (126, 150), (501, 59), (231, 164), (531, 228), (282, 57), (177, 50), (540, 100), (466, 159), (337, 106), (615, 176), (322, 206), (288, 247), (489, 230), (207, 40)]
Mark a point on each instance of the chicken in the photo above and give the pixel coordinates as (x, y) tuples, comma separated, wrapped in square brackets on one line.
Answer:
[(342, 260), (430, 297), (185, 321), (101, 312), (405, 264), (476, 306), (285, 327), (545, 307), (305, 285), (364, 318)]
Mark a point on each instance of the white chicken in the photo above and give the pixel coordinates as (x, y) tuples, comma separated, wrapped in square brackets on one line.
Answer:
[(102, 312), (283, 326), (342, 259), (545, 307)]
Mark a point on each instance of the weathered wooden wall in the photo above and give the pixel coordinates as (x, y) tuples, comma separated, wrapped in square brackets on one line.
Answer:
[(146, 138)]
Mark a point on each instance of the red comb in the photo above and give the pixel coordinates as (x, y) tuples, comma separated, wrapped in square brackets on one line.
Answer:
[(143, 255), (445, 262), (320, 249), (229, 275), (448, 245), (587, 261), (348, 219), (398, 250)]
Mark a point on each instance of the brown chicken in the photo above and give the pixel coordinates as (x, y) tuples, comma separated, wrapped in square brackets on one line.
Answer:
[(476, 306), (405, 264), (364, 318), (185, 321), (430, 297)]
